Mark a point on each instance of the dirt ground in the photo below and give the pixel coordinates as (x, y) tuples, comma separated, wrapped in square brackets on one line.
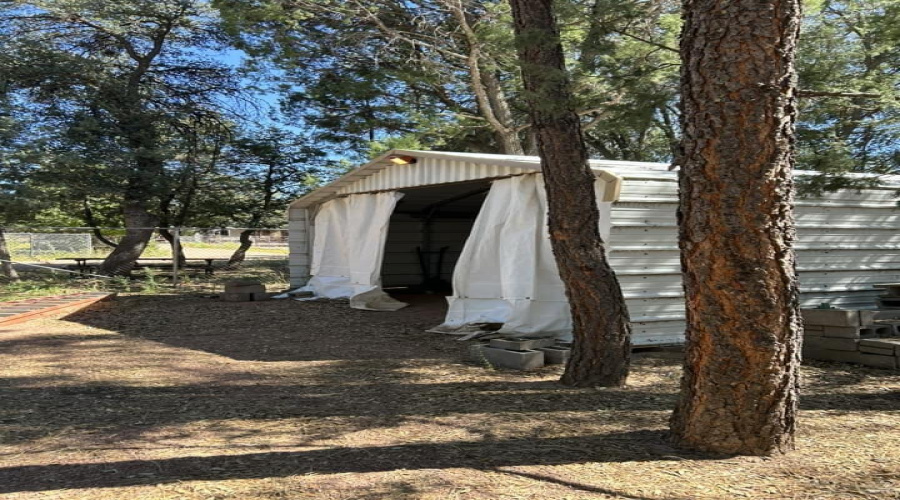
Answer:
[(186, 397)]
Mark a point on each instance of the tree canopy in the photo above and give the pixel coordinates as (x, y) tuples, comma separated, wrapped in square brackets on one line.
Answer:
[(150, 97)]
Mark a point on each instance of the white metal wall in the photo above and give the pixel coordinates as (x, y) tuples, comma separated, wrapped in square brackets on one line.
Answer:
[(846, 242), (300, 230)]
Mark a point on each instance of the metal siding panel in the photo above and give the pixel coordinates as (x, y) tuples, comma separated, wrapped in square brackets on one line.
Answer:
[(846, 242), (298, 245)]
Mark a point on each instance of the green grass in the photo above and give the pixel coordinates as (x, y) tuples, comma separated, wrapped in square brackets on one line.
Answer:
[(38, 286), (195, 249), (149, 281)]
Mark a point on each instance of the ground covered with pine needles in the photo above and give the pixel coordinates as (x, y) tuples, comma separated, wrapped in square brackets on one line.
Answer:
[(149, 397)]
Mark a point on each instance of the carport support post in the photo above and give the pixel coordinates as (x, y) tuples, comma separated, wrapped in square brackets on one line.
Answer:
[(176, 251)]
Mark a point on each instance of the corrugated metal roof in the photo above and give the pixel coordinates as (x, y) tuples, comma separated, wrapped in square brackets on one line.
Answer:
[(445, 167)]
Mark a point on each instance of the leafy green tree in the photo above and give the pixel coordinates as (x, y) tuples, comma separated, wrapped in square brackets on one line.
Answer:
[(444, 72), (119, 77), (849, 70), (261, 173), (624, 58), (362, 70)]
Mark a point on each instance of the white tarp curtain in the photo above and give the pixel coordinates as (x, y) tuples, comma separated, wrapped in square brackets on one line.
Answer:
[(348, 249), (506, 272)]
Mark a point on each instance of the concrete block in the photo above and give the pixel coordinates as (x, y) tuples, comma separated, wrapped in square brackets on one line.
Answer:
[(876, 350), (867, 317), (830, 317), (555, 355), (832, 343), (515, 360), (886, 315), (522, 343), (877, 361), (236, 297), (842, 332), (882, 331), (893, 324), (259, 296), (881, 344), (832, 355), (818, 331), (257, 288)]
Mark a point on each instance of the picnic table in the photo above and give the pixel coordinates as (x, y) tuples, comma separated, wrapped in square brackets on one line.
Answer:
[(83, 268)]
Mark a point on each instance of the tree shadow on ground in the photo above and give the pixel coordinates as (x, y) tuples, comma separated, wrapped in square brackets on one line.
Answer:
[(36, 411), (615, 447), (382, 372), (278, 330)]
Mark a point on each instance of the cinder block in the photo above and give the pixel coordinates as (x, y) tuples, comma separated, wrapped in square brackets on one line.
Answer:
[(236, 297), (843, 332), (893, 324), (881, 344), (887, 315), (832, 343), (830, 317), (832, 355), (515, 360), (555, 355), (818, 331), (882, 331), (877, 361), (259, 296), (522, 343), (258, 288), (867, 317), (876, 350)]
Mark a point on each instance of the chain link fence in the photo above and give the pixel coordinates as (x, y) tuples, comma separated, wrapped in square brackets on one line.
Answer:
[(52, 260)]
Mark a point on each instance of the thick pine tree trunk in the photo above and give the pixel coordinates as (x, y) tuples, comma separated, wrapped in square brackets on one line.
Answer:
[(139, 224), (739, 389), (601, 327), (6, 267)]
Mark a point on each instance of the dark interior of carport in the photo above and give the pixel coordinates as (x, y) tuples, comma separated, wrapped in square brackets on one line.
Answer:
[(426, 234)]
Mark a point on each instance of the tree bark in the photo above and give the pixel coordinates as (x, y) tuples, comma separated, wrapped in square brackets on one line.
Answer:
[(600, 323), (139, 227), (6, 267), (170, 238), (92, 222), (240, 254), (740, 385)]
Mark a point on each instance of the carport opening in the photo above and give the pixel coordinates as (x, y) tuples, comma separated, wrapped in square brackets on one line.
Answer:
[(426, 235)]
